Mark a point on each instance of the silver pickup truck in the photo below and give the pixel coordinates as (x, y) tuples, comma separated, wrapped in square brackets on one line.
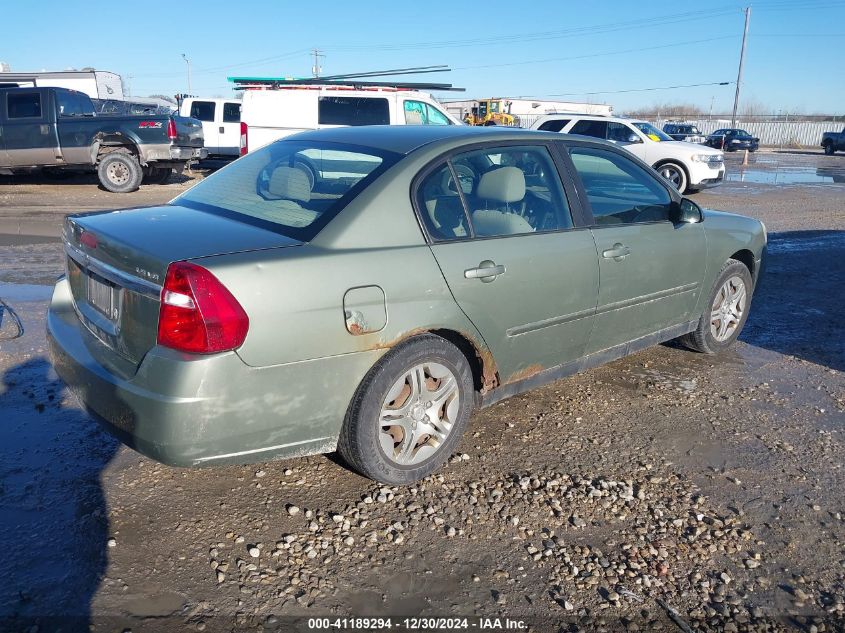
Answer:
[(57, 128)]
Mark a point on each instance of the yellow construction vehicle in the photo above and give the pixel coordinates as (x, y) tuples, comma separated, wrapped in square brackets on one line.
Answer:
[(491, 112)]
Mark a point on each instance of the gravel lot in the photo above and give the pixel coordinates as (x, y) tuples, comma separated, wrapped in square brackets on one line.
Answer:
[(705, 487)]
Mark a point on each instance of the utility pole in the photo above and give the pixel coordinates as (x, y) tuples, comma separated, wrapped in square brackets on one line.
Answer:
[(747, 11), (188, 62), (316, 69)]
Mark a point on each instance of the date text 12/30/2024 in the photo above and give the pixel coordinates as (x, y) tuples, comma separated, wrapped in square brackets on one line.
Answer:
[(418, 624)]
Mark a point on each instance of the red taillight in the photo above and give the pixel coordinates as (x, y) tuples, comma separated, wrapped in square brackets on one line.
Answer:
[(244, 138), (171, 130), (198, 314)]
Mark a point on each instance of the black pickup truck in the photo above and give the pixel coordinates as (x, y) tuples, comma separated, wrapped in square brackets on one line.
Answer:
[(833, 141), (57, 128)]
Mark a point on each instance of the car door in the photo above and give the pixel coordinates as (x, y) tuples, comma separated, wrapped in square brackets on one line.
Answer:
[(626, 136), (30, 136), (229, 128), (206, 111), (517, 264), (650, 268)]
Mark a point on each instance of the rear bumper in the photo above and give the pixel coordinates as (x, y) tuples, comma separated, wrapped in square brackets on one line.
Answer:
[(188, 410), (187, 153)]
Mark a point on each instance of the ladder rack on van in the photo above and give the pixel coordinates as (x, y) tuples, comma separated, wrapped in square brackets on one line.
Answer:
[(349, 81)]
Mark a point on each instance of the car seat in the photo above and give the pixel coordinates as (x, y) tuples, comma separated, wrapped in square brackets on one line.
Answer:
[(499, 189)]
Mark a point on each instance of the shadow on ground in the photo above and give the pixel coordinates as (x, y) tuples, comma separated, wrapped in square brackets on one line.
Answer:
[(53, 517), (797, 309)]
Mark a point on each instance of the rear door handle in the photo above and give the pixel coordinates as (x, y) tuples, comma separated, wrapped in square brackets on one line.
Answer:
[(222, 130), (618, 252), (487, 271)]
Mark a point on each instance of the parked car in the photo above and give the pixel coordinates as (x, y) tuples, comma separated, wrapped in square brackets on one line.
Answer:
[(833, 141), (733, 139), (688, 166), (269, 115), (425, 272), (221, 123), (684, 132), (57, 128)]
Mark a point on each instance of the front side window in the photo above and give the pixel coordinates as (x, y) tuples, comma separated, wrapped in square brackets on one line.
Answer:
[(294, 188), (353, 111), (231, 112), (24, 105), (621, 133), (421, 113), (203, 110), (620, 191), (499, 191), (585, 127)]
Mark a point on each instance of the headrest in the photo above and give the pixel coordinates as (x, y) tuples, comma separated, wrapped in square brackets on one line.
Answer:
[(290, 183), (505, 184)]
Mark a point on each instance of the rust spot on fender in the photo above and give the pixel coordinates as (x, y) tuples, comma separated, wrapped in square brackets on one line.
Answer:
[(526, 372)]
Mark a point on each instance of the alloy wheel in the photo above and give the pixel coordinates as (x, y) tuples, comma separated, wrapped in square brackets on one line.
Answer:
[(728, 308)]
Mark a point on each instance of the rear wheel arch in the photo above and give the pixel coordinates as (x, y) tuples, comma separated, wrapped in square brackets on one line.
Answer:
[(484, 373)]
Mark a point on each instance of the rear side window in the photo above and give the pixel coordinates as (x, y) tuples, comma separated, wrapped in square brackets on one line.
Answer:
[(353, 111), (555, 125), (620, 191), (231, 112), (24, 105), (203, 110), (290, 187), (596, 129)]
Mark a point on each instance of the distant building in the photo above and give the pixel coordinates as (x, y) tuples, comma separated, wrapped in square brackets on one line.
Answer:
[(528, 110), (97, 84)]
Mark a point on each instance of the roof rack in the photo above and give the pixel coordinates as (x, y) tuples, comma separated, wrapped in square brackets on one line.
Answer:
[(349, 80)]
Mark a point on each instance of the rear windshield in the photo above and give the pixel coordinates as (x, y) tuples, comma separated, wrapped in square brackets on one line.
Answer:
[(290, 187)]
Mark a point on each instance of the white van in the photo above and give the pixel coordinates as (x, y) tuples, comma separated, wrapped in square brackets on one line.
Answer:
[(269, 115), (221, 123)]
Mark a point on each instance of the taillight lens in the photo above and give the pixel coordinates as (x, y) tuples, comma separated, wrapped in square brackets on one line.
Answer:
[(171, 130), (198, 314), (244, 138)]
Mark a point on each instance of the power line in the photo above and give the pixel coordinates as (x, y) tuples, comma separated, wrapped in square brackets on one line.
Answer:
[(605, 54), (611, 92)]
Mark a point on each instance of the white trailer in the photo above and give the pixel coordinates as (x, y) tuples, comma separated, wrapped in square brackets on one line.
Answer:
[(97, 84)]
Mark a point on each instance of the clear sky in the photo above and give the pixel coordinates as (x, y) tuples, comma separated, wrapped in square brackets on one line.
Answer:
[(539, 48)]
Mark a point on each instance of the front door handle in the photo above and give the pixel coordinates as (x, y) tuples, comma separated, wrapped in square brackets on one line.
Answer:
[(45, 129), (617, 253), (487, 271)]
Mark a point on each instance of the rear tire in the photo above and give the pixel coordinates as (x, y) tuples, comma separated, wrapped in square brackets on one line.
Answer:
[(119, 171), (828, 149), (409, 412), (726, 311)]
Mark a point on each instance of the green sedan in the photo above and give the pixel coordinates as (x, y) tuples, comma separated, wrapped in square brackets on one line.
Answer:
[(364, 289)]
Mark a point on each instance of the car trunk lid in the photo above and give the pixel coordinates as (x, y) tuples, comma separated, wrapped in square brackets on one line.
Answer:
[(117, 262)]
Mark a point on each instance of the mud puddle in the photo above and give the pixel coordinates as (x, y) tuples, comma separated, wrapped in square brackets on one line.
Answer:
[(790, 176)]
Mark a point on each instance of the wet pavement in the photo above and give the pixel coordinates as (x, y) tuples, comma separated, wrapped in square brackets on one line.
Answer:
[(752, 439)]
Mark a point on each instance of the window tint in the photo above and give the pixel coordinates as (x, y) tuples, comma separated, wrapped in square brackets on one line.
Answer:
[(555, 125), (24, 105), (231, 112), (506, 190), (353, 111), (291, 187), (597, 129), (619, 191), (203, 110), (620, 133)]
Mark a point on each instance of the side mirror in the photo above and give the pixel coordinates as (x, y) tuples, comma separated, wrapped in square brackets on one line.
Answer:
[(686, 212), (633, 138)]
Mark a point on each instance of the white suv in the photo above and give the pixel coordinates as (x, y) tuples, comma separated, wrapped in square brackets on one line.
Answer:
[(688, 166)]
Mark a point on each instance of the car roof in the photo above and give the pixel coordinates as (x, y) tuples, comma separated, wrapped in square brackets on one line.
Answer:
[(403, 139)]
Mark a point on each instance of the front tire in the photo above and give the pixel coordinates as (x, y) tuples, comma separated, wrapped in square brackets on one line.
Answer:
[(409, 412), (675, 174), (828, 149), (726, 313), (120, 172)]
